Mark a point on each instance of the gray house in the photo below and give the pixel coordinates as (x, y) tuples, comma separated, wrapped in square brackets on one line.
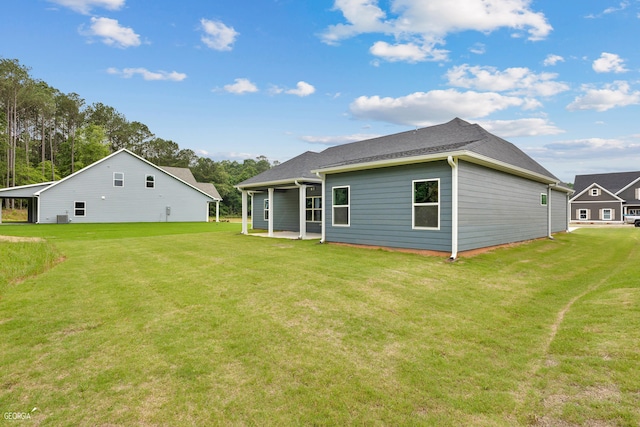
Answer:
[(605, 198), (121, 187), (449, 188)]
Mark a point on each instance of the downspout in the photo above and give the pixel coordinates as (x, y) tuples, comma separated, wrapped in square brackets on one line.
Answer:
[(454, 207), (322, 203), (549, 226)]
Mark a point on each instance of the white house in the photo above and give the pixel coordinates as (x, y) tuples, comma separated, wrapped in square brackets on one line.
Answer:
[(122, 187)]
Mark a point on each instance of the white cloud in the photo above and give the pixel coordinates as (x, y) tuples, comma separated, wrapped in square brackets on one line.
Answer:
[(408, 52), (241, 86), (302, 89), (609, 63), (112, 33), (517, 80), (616, 94), (337, 140), (127, 73), (478, 49), (521, 127), (428, 108), (85, 6), (217, 35), (616, 151), (552, 60), (418, 26)]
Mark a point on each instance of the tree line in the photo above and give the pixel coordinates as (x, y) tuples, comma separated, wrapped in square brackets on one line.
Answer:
[(46, 134)]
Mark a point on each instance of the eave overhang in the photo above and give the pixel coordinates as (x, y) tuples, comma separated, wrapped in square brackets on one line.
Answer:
[(465, 155)]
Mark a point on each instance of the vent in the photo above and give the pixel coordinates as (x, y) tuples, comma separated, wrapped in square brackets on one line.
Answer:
[(62, 219)]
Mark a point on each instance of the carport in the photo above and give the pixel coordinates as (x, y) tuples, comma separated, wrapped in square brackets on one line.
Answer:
[(25, 192)]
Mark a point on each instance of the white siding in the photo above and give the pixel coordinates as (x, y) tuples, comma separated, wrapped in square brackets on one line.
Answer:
[(131, 203)]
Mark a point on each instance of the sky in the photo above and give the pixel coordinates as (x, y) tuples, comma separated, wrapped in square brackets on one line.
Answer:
[(237, 79)]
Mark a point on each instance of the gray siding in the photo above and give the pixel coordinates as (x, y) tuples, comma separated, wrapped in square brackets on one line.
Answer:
[(586, 196), (381, 207), (131, 203), (595, 210), (630, 193), (497, 208), (559, 211)]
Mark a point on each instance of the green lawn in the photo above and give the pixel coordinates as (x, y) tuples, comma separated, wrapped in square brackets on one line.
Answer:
[(194, 324)]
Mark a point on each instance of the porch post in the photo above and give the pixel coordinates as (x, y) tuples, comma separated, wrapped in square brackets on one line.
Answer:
[(244, 211), (303, 211), (271, 210), (217, 210)]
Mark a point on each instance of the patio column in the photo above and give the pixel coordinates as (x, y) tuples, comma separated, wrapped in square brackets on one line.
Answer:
[(217, 210), (270, 233), (244, 211), (303, 211)]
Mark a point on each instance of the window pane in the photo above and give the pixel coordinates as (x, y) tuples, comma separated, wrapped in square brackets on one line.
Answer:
[(318, 216), (425, 192), (309, 215), (309, 202), (543, 199), (317, 203), (426, 216), (341, 216), (340, 196)]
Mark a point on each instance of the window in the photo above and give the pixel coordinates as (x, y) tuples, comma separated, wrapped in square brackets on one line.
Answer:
[(543, 199), (633, 212), (79, 209), (595, 192), (607, 214), (118, 179), (340, 202), (426, 204), (583, 214), (266, 209), (314, 209), (637, 193), (150, 181)]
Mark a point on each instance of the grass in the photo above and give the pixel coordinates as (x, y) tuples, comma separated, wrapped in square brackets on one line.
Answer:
[(13, 215), (165, 324)]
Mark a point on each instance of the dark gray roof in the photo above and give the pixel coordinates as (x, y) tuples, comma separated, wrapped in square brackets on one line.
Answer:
[(456, 135), (613, 182)]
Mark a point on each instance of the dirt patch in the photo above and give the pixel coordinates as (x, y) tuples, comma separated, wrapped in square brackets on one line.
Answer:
[(20, 239)]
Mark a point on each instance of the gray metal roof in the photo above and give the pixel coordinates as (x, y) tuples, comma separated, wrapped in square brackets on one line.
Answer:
[(454, 136), (613, 182)]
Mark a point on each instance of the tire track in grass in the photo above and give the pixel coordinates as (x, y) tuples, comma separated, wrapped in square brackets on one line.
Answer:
[(526, 386)]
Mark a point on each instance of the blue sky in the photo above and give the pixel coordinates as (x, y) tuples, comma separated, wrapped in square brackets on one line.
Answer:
[(235, 79)]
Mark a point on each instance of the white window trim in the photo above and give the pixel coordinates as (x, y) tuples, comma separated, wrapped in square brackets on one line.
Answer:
[(594, 192), (414, 204), (153, 181), (348, 206), (602, 211), (114, 179), (84, 209), (587, 214), (312, 209), (544, 197), (266, 211)]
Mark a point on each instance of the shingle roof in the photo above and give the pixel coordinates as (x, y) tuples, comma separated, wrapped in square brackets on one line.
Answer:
[(186, 175), (456, 135), (613, 182)]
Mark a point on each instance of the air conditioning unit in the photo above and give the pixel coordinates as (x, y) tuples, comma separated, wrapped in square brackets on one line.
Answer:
[(62, 219)]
